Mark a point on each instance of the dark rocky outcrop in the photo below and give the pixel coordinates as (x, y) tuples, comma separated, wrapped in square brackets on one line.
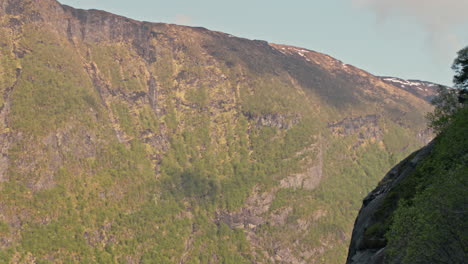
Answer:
[(367, 246), (275, 120), (366, 125)]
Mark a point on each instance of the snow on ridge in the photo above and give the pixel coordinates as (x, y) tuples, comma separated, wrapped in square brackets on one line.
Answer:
[(296, 50), (300, 52), (305, 53), (405, 82)]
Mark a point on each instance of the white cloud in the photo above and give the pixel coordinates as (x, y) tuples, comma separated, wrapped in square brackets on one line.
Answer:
[(182, 19), (439, 18)]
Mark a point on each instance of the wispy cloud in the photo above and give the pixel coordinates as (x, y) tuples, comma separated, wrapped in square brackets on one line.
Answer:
[(182, 19), (439, 18)]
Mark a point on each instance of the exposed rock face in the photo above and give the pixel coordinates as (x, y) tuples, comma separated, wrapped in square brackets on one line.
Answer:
[(365, 126), (251, 216), (350, 126), (310, 178), (366, 247), (273, 120)]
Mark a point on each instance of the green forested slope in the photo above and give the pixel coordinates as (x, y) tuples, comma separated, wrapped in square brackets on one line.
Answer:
[(132, 142), (430, 223)]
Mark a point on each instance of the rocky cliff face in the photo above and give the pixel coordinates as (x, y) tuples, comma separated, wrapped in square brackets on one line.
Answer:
[(145, 142), (368, 244), (417, 213)]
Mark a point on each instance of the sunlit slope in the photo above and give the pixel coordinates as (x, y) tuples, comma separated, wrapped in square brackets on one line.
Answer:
[(125, 141)]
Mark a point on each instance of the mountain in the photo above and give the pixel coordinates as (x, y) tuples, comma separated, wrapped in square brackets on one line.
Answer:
[(423, 89), (136, 142), (417, 213)]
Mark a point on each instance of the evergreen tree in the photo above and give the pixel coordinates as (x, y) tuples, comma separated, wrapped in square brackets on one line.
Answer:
[(460, 66), (449, 101)]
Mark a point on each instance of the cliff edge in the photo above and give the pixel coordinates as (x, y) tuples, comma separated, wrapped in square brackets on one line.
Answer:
[(418, 212)]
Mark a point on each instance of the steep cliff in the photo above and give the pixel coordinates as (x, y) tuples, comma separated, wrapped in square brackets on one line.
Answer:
[(417, 213), (136, 142)]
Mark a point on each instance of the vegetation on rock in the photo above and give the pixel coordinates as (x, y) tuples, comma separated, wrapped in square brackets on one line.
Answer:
[(418, 212), (132, 142), (430, 224)]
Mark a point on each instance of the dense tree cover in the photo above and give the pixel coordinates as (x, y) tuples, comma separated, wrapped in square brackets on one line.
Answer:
[(430, 224), (446, 104), (449, 101)]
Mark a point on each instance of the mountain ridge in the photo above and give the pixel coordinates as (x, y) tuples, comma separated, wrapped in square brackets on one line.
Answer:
[(423, 89), (138, 142)]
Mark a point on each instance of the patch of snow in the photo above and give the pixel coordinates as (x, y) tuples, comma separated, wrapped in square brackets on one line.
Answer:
[(402, 82), (299, 51)]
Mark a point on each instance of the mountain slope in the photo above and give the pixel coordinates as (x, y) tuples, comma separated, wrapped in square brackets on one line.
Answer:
[(136, 142)]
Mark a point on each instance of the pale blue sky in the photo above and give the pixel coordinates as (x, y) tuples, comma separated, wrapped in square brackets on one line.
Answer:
[(415, 39)]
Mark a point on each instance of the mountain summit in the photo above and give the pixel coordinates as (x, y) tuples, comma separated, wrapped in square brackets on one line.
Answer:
[(136, 142)]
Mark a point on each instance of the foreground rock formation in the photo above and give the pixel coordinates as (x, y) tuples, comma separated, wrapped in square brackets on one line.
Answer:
[(366, 247), (417, 213)]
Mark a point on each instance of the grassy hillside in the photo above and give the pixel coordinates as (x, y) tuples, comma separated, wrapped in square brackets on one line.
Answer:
[(132, 142)]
